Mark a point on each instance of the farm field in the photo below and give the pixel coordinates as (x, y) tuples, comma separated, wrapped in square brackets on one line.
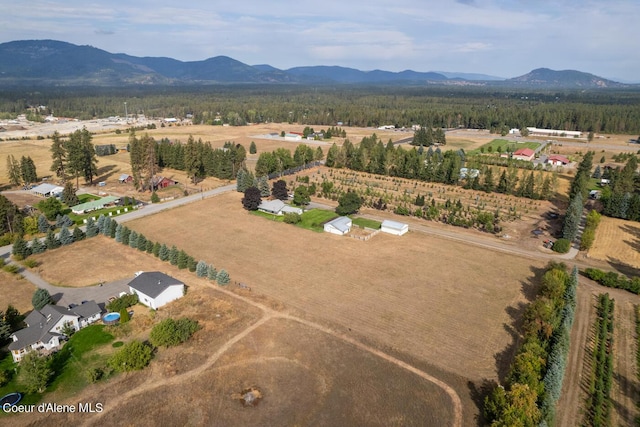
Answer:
[(617, 242), (398, 292)]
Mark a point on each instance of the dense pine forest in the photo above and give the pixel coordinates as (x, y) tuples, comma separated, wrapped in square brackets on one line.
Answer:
[(604, 111)]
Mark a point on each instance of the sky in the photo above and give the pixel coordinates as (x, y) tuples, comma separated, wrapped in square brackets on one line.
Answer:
[(505, 38)]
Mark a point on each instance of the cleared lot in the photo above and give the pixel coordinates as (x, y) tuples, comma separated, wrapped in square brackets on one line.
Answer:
[(440, 301)]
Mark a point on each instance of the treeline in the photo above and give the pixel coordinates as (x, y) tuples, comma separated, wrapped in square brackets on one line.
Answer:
[(614, 280), (199, 159), (430, 165), (621, 198), (534, 381), (577, 197), (599, 404), (440, 107), (281, 159)]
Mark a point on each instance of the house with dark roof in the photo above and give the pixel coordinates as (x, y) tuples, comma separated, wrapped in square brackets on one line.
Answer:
[(155, 289), (125, 178), (44, 331)]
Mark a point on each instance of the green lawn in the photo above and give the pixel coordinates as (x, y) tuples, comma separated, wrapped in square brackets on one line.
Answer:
[(314, 219), (84, 198), (69, 364), (504, 145), (272, 217), (368, 223)]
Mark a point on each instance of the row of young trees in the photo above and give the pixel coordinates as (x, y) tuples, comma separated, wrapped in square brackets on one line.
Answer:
[(21, 172), (578, 194), (598, 407), (535, 377), (372, 156)]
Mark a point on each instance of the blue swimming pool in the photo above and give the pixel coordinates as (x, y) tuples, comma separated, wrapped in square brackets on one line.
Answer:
[(111, 318)]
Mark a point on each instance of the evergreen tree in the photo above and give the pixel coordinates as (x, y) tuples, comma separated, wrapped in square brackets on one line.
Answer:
[(59, 156), (142, 242), (148, 248), (223, 278), (212, 273), (252, 148), (183, 259), (43, 224), (63, 221), (91, 228), (21, 248), (118, 236), (572, 218), (41, 297), (597, 173), (164, 252), (69, 196), (503, 184), (100, 223), (78, 234), (13, 170), (125, 235), (106, 226), (191, 263), (240, 181), (133, 239), (37, 247), (201, 269), (156, 249), (65, 236), (263, 186), (113, 225), (173, 255), (488, 184), (51, 241), (28, 170)]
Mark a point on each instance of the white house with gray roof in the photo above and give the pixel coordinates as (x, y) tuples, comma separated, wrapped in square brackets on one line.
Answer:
[(155, 289), (44, 327), (278, 207), (340, 226), (394, 227)]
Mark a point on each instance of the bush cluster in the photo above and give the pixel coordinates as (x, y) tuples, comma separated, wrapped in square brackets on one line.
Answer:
[(614, 280)]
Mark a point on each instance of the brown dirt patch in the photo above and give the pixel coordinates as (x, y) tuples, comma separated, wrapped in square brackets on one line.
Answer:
[(15, 290), (617, 241), (406, 293)]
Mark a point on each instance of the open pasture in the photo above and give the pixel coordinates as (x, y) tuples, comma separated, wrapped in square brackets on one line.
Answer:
[(440, 301)]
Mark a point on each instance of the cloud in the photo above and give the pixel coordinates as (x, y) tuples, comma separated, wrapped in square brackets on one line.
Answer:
[(104, 32)]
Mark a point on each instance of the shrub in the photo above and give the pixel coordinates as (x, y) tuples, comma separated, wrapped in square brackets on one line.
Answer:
[(223, 278), (94, 375), (562, 246), (11, 268), (123, 302), (292, 218), (171, 332), (155, 198), (133, 356)]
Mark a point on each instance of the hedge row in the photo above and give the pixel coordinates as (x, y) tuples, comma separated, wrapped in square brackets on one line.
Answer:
[(614, 280)]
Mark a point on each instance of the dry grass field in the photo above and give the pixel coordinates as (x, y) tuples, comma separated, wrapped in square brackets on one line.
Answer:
[(99, 259), (16, 291), (305, 378), (436, 300), (617, 242)]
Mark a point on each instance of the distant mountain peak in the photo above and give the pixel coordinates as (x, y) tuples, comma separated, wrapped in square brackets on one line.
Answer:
[(563, 78)]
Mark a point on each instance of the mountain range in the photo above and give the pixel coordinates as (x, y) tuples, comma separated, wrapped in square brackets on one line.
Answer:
[(59, 63)]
